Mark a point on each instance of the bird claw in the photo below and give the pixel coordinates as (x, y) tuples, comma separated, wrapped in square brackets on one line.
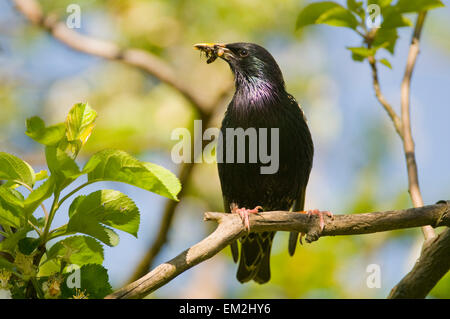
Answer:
[(244, 214), (320, 214), (321, 220)]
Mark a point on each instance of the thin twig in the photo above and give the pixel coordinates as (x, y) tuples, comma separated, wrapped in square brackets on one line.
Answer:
[(230, 228), (383, 101), (402, 124), (76, 190), (38, 231), (408, 142), (51, 215)]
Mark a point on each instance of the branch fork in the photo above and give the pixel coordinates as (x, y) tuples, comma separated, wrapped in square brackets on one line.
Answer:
[(230, 228)]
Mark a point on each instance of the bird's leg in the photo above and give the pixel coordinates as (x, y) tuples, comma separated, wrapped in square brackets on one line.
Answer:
[(244, 214), (321, 220)]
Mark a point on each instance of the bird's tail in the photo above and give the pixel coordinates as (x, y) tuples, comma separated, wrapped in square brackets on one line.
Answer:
[(293, 236), (255, 257)]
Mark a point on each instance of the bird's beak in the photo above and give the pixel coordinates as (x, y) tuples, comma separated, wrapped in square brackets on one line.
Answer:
[(214, 50)]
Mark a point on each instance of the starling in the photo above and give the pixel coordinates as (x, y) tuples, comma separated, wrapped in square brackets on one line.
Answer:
[(261, 101)]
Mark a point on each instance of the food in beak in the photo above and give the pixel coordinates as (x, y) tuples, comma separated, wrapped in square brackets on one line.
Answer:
[(211, 51)]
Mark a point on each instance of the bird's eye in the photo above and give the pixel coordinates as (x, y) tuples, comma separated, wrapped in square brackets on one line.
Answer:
[(243, 53)]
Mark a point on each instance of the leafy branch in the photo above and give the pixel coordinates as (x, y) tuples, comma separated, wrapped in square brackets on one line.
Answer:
[(147, 62), (35, 270), (384, 36), (185, 174)]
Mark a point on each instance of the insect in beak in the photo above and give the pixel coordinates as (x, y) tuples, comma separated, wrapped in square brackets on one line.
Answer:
[(211, 50)]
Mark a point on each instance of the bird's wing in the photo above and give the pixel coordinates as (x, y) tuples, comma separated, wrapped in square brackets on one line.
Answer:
[(299, 203)]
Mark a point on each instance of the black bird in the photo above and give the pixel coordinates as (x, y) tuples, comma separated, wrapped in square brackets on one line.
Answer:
[(261, 101)]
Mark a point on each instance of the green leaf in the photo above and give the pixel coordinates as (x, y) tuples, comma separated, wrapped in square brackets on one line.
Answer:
[(170, 185), (94, 282), (9, 216), (41, 175), (386, 63), (9, 244), (119, 166), (13, 168), (11, 196), (357, 7), (50, 135), (75, 203), (393, 18), (327, 12), (79, 250), (5, 264), (338, 17), (418, 5), (386, 38), (108, 207), (48, 267), (38, 195), (313, 11), (79, 124), (11, 205), (89, 225), (61, 166), (361, 53), (27, 245), (357, 58), (59, 162), (381, 3)]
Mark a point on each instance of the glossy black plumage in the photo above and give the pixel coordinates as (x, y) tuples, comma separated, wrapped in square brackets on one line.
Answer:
[(260, 101)]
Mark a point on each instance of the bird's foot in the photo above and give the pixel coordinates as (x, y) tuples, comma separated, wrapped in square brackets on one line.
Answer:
[(244, 214), (318, 213)]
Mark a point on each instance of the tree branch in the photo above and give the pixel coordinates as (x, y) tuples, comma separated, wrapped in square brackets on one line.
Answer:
[(387, 106), (166, 222), (147, 62), (408, 142), (185, 174), (403, 124), (433, 264), (141, 59), (231, 228)]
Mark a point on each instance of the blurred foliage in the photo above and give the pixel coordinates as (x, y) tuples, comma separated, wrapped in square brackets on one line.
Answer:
[(383, 35)]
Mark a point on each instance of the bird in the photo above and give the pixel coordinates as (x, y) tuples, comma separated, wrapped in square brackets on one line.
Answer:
[(260, 101)]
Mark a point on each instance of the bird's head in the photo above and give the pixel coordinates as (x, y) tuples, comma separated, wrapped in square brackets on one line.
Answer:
[(248, 61)]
